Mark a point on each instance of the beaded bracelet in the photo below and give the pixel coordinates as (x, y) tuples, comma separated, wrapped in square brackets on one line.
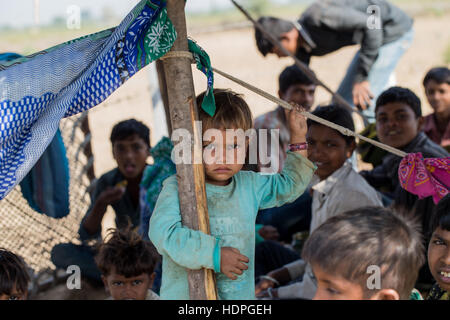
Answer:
[(298, 146)]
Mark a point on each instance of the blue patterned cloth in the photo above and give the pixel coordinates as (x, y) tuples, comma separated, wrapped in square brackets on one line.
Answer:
[(37, 91)]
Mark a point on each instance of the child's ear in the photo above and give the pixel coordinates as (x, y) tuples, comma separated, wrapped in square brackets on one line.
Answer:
[(152, 278), (350, 148), (105, 283), (420, 121), (386, 294)]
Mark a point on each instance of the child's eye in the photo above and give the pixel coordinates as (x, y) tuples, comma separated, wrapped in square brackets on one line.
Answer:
[(332, 291), (438, 242), (137, 147), (137, 282), (13, 298), (117, 283)]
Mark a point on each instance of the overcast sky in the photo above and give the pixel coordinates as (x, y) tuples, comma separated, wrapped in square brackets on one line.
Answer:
[(20, 13)]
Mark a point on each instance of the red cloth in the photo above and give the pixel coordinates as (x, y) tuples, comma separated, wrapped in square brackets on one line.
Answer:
[(425, 177)]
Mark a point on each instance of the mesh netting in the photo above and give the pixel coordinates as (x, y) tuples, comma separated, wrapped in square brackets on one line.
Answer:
[(33, 235)]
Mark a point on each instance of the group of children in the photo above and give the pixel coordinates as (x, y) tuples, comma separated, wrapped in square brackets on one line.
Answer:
[(355, 226)]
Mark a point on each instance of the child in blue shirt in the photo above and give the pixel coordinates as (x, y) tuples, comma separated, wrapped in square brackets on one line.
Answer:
[(233, 198)]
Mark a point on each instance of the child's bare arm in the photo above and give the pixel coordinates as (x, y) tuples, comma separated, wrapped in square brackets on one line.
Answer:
[(297, 128), (92, 223), (232, 262)]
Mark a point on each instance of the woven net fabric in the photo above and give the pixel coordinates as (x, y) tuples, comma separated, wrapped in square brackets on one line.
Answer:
[(33, 235)]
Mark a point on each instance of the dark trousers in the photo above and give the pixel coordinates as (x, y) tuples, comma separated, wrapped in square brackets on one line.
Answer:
[(271, 255), (290, 218)]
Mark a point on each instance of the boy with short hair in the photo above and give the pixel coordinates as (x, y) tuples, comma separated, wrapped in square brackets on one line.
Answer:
[(119, 188), (367, 253), (293, 86), (336, 188), (439, 251), (437, 89), (127, 264), (14, 277), (233, 199), (398, 122)]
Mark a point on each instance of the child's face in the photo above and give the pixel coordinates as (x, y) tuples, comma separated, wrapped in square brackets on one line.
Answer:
[(334, 287), (221, 158), (14, 295), (133, 288), (439, 257), (327, 149), (397, 124), (301, 94), (438, 95), (131, 155)]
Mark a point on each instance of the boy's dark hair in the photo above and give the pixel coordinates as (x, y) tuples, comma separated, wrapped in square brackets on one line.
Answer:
[(13, 273), (127, 128), (290, 76), (276, 27), (441, 217), (126, 253), (440, 75), (232, 112), (399, 94), (337, 115), (347, 244)]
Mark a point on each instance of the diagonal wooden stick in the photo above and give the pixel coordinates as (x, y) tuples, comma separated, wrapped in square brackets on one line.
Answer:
[(308, 115)]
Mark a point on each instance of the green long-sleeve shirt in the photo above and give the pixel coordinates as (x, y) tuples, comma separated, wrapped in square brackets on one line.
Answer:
[(232, 213)]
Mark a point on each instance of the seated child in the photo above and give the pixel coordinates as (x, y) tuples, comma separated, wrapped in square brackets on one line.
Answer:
[(437, 89), (294, 86), (398, 122), (439, 251), (118, 188), (336, 188), (14, 277), (233, 198), (127, 265), (367, 253)]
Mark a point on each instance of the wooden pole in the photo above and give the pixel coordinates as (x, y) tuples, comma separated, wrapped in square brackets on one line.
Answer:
[(163, 91), (191, 178)]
